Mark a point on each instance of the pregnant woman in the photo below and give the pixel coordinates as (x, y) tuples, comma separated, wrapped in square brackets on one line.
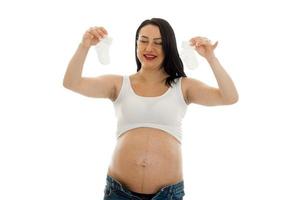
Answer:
[(149, 105)]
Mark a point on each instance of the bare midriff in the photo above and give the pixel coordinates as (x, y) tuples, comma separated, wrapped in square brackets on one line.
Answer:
[(146, 160)]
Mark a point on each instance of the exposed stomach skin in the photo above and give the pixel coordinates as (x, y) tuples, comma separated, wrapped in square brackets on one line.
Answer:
[(146, 160)]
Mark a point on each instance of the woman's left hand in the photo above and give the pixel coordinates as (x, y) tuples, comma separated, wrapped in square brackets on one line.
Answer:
[(203, 46)]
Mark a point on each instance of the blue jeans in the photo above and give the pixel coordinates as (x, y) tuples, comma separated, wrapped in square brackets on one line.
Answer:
[(114, 190)]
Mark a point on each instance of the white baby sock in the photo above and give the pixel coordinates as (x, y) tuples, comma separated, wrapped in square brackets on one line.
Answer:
[(102, 49), (188, 55)]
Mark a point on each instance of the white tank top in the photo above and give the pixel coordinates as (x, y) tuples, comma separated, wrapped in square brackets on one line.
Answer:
[(163, 112)]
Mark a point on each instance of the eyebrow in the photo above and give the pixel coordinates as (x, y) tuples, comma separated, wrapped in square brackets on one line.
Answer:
[(148, 37)]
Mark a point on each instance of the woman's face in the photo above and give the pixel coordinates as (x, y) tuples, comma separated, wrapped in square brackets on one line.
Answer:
[(149, 47)]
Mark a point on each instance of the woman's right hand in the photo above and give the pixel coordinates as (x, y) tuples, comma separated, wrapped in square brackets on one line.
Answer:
[(93, 35)]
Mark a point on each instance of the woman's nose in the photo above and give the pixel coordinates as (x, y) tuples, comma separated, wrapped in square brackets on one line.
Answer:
[(149, 46)]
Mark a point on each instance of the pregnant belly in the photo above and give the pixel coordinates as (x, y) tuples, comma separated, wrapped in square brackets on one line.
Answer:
[(146, 159)]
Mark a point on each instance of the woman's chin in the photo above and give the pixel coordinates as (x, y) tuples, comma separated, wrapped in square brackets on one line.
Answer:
[(149, 65)]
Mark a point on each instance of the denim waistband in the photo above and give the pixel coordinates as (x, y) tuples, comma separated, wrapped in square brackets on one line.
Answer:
[(174, 188)]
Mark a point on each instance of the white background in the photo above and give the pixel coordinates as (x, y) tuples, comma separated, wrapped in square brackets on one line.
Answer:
[(56, 144)]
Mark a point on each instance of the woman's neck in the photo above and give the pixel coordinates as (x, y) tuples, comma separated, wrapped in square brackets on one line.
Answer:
[(151, 76)]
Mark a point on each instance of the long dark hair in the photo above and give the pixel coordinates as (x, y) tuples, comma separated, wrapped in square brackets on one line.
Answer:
[(172, 63)]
